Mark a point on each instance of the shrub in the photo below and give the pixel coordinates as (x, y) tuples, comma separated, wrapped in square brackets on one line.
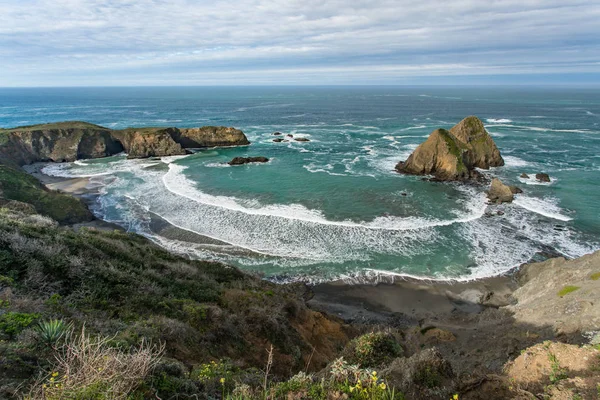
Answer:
[(88, 368), (373, 349), (12, 323)]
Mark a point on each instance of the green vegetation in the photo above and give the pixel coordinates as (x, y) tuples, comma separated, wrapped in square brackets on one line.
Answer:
[(22, 187), (567, 289), (54, 125), (373, 349), (595, 276), (454, 147), (13, 323), (127, 290), (557, 373), (52, 331)]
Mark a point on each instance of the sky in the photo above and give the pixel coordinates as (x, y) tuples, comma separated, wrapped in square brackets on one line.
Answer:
[(288, 42)]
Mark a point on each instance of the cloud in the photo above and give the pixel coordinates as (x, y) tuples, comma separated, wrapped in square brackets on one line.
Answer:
[(86, 42)]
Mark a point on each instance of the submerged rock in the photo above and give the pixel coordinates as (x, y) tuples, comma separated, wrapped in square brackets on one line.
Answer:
[(542, 177), (278, 140), (524, 176), (277, 133), (499, 192), (247, 160), (453, 155), (302, 139)]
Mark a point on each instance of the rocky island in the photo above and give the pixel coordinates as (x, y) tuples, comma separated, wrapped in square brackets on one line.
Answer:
[(453, 155)]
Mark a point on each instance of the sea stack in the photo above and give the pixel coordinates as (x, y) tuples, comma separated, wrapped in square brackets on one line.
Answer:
[(453, 155)]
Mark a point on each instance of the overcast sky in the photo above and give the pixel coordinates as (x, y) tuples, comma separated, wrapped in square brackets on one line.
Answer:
[(247, 42)]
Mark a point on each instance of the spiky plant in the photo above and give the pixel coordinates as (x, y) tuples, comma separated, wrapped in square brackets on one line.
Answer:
[(50, 332)]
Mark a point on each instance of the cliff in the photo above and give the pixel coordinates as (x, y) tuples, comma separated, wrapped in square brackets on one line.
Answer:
[(72, 140), (453, 155), (149, 142), (58, 142), (210, 136)]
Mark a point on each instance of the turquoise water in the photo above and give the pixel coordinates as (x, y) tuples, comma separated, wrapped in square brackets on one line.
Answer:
[(334, 206)]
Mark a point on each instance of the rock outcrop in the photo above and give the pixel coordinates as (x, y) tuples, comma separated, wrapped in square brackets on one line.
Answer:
[(453, 155), (247, 160), (210, 136), (542, 177), (302, 139), (562, 294), (501, 193), (149, 142), (58, 142), (72, 140)]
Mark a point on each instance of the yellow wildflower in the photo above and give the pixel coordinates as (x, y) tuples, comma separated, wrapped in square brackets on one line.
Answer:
[(222, 380), (55, 374), (382, 386), (455, 397)]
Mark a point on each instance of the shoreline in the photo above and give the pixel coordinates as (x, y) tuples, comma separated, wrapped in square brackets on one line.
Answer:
[(380, 301), (479, 324)]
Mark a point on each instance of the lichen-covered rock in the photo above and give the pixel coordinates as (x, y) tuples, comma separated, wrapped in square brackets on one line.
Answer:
[(149, 142), (58, 142), (210, 136), (454, 154), (499, 192)]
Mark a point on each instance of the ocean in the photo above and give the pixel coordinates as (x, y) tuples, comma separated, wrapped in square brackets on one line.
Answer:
[(334, 207)]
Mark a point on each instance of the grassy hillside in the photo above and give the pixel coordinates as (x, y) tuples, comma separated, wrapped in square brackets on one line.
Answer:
[(123, 287), (19, 186)]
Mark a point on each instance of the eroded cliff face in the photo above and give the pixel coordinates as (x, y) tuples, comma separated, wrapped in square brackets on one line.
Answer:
[(58, 142), (149, 142), (210, 136), (72, 140), (454, 154)]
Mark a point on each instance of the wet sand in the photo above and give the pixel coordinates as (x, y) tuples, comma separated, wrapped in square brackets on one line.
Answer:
[(407, 301)]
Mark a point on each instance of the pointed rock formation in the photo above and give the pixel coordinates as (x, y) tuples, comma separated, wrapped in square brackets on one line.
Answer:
[(453, 155)]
